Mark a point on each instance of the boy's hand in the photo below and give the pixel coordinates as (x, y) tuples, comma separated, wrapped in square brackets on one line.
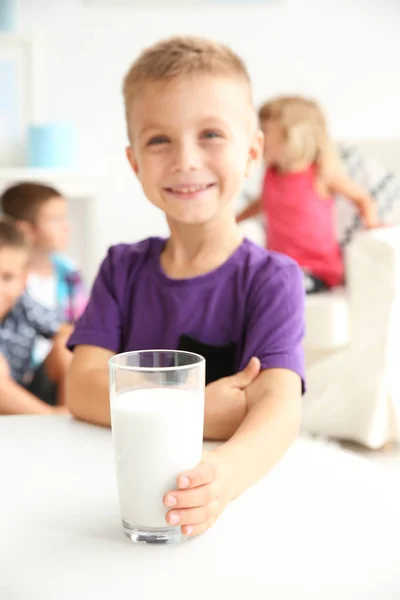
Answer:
[(202, 495), (226, 402)]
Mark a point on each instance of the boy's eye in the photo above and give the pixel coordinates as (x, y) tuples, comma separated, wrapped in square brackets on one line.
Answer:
[(211, 134), (7, 277), (157, 139)]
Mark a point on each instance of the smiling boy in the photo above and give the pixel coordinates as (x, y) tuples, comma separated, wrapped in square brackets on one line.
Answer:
[(193, 139)]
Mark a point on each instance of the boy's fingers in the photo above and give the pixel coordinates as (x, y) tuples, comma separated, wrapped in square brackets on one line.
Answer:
[(191, 530), (202, 474), (191, 497), (193, 516)]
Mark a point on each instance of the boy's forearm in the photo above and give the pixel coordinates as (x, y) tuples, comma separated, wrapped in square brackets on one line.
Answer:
[(87, 395), (15, 400), (222, 421), (268, 430)]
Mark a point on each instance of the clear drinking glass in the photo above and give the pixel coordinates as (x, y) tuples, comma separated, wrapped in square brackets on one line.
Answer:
[(157, 418)]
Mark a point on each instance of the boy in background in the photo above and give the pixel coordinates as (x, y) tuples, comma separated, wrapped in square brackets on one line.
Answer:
[(22, 320), (40, 211)]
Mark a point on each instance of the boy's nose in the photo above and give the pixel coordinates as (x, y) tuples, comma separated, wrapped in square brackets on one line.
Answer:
[(186, 157)]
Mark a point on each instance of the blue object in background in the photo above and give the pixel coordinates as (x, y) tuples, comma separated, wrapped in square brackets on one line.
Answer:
[(7, 15), (51, 145)]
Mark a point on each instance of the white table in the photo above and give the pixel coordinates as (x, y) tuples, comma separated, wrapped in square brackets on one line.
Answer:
[(323, 525)]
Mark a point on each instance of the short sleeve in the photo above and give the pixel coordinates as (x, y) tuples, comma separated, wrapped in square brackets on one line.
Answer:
[(43, 320), (276, 321), (101, 322)]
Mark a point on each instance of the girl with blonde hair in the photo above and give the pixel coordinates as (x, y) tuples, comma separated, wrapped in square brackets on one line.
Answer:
[(302, 177)]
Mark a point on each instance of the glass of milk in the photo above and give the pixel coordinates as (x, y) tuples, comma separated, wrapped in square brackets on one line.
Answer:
[(157, 418)]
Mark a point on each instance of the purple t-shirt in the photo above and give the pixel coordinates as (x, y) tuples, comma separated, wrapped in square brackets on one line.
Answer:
[(252, 305)]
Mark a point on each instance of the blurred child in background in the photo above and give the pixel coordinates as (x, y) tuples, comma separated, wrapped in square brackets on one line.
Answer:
[(22, 320), (40, 211), (297, 199)]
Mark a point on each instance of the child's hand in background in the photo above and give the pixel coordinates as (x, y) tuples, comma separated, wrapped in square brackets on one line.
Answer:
[(369, 215), (377, 225)]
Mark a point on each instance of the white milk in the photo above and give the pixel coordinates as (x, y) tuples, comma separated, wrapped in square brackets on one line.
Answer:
[(158, 434)]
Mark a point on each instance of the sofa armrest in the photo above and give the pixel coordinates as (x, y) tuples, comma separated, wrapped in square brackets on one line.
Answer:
[(354, 392), (373, 281), (373, 263)]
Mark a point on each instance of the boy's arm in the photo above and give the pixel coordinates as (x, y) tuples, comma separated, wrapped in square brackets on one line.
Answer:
[(96, 338), (87, 385), (270, 427), (340, 183), (15, 400), (251, 211)]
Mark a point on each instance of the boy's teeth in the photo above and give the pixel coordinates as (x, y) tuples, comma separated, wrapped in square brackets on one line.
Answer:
[(189, 189)]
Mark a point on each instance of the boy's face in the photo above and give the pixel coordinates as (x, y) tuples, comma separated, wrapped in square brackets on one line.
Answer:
[(274, 141), (193, 143), (50, 232), (13, 273)]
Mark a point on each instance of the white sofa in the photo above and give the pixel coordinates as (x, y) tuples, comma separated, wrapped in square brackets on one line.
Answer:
[(352, 343)]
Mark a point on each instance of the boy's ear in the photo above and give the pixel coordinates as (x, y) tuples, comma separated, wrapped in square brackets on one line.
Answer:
[(27, 229), (132, 160), (256, 151)]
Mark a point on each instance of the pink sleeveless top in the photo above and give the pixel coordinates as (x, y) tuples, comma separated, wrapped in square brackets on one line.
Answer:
[(301, 224)]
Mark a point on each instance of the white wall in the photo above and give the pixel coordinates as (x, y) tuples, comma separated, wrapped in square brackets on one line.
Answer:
[(345, 53)]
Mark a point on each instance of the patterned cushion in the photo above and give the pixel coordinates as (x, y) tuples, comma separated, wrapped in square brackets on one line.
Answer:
[(380, 182)]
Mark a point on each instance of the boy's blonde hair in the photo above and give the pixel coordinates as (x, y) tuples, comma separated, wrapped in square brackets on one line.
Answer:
[(304, 125), (181, 56)]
